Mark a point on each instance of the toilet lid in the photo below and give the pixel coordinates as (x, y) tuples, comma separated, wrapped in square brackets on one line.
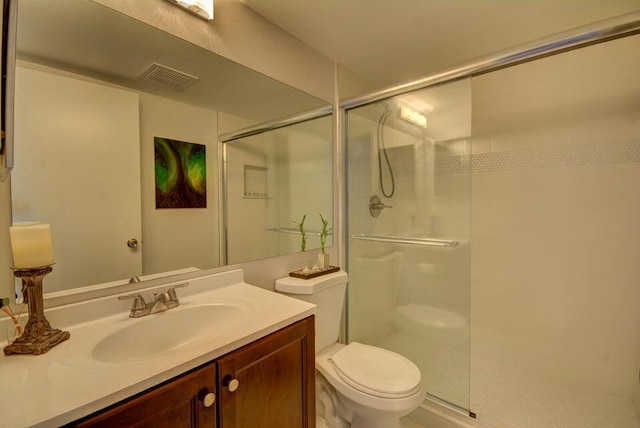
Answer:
[(376, 371)]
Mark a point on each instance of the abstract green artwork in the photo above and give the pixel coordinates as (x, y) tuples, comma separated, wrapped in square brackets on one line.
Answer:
[(181, 174)]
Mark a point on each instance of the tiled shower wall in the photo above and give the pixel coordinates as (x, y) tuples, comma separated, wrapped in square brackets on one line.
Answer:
[(555, 226)]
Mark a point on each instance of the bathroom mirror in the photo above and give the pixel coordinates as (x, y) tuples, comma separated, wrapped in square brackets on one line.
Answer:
[(99, 95)]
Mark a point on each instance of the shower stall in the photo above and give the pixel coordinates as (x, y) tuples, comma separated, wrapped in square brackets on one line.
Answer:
[(274, 176), (493, 225)]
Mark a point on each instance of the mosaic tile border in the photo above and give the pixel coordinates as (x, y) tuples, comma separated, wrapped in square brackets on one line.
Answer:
[(548, 157)]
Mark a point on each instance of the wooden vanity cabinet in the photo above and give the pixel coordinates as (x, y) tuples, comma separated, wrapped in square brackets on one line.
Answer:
[(182, 402), (269, 383)]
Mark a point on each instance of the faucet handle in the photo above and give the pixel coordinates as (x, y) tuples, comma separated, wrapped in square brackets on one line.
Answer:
[(376, 205), (139, 305), (162, 297), (172, 291)]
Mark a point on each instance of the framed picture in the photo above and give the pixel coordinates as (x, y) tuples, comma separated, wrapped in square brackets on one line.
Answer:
[(181, 174)]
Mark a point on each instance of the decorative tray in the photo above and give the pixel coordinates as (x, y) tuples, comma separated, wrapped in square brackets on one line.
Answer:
[(313, 273)]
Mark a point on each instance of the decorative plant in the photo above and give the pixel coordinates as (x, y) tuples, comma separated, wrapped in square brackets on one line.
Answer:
[(303, 244), (324, 233)]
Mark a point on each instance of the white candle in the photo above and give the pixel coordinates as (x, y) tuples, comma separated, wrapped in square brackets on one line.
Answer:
[(31, 245)]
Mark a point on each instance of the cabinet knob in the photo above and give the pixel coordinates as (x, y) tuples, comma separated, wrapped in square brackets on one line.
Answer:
[(209, 399), (233, 385)]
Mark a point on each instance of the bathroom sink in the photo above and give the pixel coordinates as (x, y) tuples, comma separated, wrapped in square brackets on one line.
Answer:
[(163, 332)]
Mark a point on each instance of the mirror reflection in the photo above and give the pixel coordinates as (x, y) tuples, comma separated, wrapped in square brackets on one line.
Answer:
[(95, 91), (273, 182)]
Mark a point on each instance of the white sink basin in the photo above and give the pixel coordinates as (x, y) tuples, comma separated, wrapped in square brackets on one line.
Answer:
[(111, 357), (160, 333)]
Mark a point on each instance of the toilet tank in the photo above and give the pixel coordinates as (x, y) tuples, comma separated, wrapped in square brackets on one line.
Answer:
[(327, 293)]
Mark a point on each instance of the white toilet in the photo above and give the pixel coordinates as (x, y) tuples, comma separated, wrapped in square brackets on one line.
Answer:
[(358, 385)]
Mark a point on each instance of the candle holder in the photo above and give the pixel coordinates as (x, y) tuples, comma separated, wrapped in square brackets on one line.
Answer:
[(38, 336)]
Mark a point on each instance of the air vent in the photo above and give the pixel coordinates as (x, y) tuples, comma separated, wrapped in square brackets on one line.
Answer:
[(168, 76)]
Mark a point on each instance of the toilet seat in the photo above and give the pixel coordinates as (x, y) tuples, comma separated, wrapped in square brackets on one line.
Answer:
[(364, 403), (375, 371)]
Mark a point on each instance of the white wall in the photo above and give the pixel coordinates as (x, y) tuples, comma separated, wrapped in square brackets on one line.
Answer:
[(351, 84), (229, 123), (178, 238), (555, 232)]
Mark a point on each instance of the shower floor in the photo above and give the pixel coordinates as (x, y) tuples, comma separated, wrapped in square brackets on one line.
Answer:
[(515, 398), (511, 397)]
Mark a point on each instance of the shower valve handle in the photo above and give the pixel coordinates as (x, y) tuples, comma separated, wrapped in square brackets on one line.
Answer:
[(376, 205), (381, 206)]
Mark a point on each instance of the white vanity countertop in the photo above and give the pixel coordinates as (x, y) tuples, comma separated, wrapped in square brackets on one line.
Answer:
[(68, 383)]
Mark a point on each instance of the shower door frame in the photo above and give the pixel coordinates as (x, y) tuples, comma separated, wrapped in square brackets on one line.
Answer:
[(598, 32)]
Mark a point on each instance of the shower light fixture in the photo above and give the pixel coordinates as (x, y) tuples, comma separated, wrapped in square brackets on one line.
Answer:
[(200, 8), (413, 116)]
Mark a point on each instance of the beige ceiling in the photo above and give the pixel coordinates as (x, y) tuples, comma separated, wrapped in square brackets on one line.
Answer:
[(391, 41)]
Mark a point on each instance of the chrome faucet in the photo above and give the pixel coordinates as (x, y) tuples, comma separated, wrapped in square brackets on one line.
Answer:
[(161, 302)]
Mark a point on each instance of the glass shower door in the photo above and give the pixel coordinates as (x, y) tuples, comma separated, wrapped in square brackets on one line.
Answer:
[(408, 227), (272, 180)]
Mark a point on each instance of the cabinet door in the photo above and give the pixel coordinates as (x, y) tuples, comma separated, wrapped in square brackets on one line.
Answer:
[(270, 383), (178, 403)]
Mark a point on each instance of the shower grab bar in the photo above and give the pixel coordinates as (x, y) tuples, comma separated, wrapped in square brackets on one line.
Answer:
[(429, 242), (294, 231)]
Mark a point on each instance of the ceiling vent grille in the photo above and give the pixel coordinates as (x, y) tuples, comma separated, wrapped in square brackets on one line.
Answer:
[(168, 76)]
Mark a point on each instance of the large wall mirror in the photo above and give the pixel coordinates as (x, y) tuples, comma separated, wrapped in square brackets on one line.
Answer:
[(109, 112)]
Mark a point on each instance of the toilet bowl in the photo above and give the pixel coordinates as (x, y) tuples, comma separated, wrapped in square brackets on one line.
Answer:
[(375, 387), (357, 385)]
